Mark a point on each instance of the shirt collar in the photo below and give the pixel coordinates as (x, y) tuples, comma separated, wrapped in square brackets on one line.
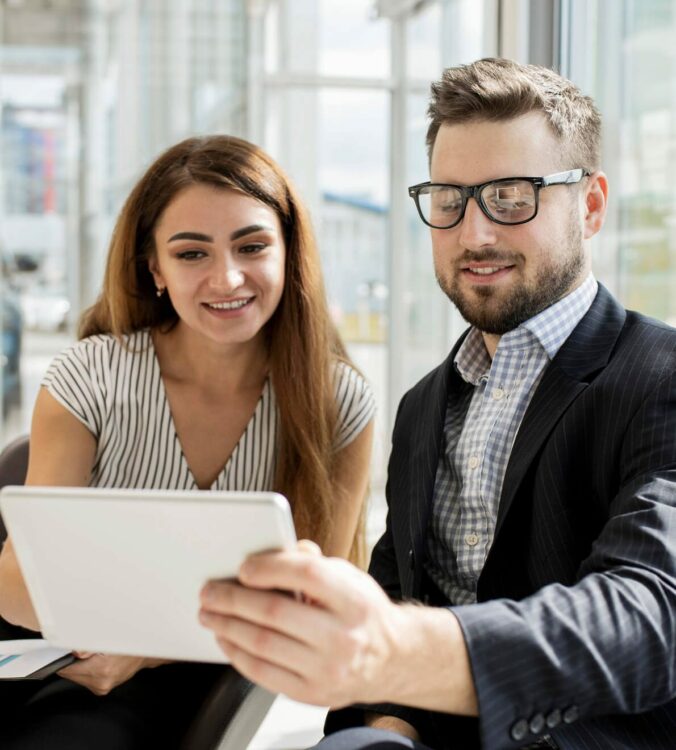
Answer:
[(548, 329), (555, 323)]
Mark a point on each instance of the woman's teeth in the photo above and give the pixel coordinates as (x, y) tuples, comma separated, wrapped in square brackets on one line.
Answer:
[(228, 305)]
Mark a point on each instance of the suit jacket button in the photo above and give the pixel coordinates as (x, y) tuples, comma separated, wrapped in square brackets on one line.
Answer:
[(571, 714), (536, 723), (519, 730), (553, 718), (411, 559)]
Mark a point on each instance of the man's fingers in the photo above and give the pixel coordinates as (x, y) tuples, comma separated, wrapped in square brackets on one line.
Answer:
[(330, 582), (307, 545), (279, 649), (269, 609), (275, 678)]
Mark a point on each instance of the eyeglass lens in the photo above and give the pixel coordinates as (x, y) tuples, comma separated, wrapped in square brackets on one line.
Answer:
[(508, 201)]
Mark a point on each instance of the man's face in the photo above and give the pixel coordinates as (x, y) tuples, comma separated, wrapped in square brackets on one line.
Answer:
[(500, 276)]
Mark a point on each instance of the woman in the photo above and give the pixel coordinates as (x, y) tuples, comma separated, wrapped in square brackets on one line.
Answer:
[(208, 362)]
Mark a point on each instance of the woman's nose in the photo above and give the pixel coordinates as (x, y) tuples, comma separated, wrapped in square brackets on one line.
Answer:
[(227, 276)]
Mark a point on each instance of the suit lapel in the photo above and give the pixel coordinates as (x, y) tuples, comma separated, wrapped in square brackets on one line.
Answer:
[(585, 352)]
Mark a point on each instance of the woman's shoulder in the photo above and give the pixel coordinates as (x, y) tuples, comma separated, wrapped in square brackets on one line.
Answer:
[(100, 344), (355, 401), (348, 378), (98, 354), (353, 390)]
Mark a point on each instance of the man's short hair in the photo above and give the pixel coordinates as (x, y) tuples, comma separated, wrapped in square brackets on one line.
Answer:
[(498, 89)]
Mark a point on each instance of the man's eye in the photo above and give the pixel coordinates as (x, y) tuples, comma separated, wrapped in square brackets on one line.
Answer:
[(511, 206), (190, 254), (446, 203), (450, 207)]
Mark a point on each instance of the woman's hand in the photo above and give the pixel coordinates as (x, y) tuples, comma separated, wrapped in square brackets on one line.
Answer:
[(100, 673)]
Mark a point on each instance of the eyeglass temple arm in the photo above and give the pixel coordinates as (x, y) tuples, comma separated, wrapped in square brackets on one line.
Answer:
[(565, 178)]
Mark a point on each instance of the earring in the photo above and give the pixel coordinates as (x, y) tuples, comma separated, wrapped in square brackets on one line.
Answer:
[(160, 290)]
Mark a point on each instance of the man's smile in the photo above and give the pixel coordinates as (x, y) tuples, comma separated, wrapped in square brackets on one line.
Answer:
[(485, 272)]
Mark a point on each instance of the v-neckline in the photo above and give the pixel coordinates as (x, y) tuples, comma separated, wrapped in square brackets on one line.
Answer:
[(168, 415)]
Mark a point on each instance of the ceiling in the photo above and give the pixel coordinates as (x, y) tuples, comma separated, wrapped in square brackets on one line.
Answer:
[(43, 23)]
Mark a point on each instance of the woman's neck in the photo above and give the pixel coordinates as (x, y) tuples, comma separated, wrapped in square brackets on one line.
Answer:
[(188, 358)]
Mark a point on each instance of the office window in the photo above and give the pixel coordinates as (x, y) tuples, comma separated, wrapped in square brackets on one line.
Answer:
[(625, 60), (90, 93), (328, 38)]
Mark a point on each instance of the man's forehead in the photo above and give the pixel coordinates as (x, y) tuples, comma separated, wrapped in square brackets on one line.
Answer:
[(480, 150)]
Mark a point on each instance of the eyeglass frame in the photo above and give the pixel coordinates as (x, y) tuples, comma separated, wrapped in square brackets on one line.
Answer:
[(569, 177)]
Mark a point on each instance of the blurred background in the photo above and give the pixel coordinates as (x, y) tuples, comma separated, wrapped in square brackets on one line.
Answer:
[(336, 90)]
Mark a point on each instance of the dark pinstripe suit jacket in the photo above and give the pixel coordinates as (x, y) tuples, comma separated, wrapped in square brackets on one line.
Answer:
[(574, 632)]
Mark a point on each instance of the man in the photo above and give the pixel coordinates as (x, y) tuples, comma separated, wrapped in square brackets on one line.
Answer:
[(532, 480)]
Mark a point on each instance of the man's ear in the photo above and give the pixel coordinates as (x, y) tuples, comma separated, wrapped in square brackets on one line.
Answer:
[(596, 203)]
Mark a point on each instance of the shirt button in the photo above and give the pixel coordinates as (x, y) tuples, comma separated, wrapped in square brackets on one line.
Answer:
[(473, 462), (497, 394), (471, 539)]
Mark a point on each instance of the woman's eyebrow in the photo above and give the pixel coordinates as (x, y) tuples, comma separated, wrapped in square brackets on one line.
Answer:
[(250, 229), (199, 237), (191, 236)]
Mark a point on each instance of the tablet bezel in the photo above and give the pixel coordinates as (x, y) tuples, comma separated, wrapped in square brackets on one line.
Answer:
[(119, 570)]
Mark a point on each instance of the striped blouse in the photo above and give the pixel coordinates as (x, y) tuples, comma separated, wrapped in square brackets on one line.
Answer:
[(116, 390)]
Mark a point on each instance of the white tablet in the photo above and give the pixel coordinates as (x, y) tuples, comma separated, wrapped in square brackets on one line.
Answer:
[(119, 571)]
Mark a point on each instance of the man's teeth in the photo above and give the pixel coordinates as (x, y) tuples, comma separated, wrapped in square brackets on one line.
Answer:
[(486, 271), (228, 305)]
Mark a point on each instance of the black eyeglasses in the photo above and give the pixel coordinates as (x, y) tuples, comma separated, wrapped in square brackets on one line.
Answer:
[(509, 200)]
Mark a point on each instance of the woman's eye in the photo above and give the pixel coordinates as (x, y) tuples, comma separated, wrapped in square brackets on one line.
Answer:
[(254, 247), (190, 254)]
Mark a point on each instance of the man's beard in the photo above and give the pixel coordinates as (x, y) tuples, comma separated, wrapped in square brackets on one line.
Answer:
[(494, 311)]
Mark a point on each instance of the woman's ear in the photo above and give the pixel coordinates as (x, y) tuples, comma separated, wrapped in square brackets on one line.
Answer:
[(154, 268), (596, 203)]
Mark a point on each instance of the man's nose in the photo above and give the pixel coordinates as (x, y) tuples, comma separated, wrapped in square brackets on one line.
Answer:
[(476, 229)]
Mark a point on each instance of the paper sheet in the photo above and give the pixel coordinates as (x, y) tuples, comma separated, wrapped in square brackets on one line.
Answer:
[(25, 657)]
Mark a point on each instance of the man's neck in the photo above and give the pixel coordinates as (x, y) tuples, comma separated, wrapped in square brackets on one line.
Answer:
[(491, 341)]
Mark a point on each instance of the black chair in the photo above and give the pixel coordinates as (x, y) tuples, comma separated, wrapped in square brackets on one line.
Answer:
[(13, 468), (235, 707)]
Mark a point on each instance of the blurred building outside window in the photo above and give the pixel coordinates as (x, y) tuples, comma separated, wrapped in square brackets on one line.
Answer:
[(90, 92)]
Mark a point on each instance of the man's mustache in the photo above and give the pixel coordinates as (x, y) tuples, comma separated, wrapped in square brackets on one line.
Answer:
[(502, 257)]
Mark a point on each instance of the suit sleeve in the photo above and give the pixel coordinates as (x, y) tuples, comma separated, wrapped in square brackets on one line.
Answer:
[(606, 644)]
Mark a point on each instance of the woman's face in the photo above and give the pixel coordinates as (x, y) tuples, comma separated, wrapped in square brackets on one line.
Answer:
[(220, 255)]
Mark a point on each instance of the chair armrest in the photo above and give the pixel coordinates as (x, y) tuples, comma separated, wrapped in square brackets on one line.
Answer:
[(13, 467), (230, 715)]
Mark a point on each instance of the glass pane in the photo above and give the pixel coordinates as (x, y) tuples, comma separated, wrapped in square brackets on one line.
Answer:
[(328, 37), (637, 248), (89, 94), (427, 309), (340, 163), (468, 31), (36, 231), (424, 33)]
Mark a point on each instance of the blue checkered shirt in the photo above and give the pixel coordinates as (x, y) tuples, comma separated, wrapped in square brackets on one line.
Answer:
[(479, 432)]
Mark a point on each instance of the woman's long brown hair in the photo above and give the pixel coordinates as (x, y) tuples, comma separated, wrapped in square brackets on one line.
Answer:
[(304, 345)]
